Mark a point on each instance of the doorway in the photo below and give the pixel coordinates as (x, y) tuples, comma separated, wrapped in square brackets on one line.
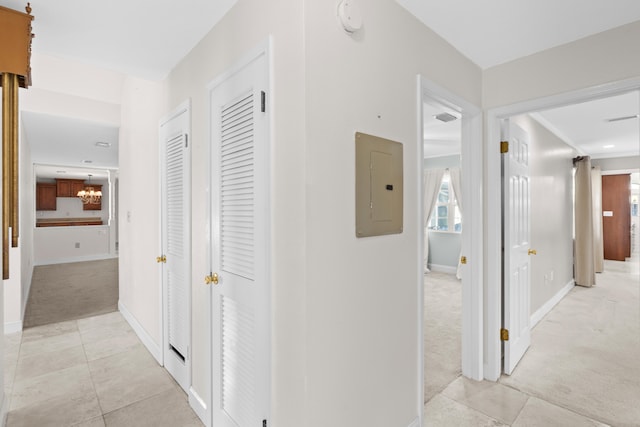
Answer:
[(469, 135), (493, 307)]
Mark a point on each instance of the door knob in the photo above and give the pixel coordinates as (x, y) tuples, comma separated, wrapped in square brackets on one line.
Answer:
[(532, 252), (212, 278), (162, 258)]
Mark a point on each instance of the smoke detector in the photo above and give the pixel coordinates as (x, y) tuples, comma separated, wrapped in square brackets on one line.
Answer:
[(445, 117)]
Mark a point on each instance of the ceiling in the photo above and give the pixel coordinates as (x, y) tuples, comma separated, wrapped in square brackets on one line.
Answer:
[(148, 38)]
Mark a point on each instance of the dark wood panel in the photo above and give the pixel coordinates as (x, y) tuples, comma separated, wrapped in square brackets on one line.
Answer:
[(46, 197), (616, 229)]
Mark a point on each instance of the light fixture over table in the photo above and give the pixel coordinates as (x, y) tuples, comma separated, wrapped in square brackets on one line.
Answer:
[(89, 195)]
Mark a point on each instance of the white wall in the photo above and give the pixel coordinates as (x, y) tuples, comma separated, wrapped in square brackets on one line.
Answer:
[(57, 245), (588, 62), (617, 163), (139, 223), (551, 167)]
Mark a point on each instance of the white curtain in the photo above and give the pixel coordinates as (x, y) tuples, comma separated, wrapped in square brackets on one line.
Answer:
[(598, 243), (585, 274), (454, 174), (432, 181)]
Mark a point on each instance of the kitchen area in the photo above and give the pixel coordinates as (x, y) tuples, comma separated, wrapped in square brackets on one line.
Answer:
[(75, 215)]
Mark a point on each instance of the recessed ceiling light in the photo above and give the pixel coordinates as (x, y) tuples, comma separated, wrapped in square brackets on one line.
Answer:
[(608, 146), (445, 117), (87, 161), (103, 144)]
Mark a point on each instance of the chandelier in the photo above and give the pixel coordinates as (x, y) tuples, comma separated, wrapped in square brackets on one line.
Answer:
[(88, 195)]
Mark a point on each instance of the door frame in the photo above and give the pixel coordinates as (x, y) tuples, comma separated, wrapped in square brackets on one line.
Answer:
[(493, 282), (472, 236)]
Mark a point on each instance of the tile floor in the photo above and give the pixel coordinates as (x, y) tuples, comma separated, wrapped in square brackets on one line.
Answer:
[(89, 372)]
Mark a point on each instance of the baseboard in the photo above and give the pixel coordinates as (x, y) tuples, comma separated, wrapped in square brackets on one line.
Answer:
[(12, 327), (443, 268), (199, 407), (4, 411), (97, 257), (548, 306), (415, 423), (146, 339)]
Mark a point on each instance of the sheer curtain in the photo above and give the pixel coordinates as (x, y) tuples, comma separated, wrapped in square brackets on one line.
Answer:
[(432, 181), (585, 274), (454, 174), (596, 192)]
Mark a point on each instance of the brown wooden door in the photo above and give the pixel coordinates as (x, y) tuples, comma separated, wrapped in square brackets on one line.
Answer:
[(616, 219)]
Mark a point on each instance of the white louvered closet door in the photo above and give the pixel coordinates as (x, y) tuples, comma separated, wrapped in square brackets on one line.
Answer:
[(240, 219), (176, 246)]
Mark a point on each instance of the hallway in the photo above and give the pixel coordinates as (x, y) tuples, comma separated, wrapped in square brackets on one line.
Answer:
[(89, 372), (581, 369)]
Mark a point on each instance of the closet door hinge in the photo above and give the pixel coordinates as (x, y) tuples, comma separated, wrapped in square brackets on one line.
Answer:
[(504, 147), (504, 334)]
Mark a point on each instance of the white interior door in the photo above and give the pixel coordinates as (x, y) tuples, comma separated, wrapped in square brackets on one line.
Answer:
[(176, 244), (240, 247), (516, 246)]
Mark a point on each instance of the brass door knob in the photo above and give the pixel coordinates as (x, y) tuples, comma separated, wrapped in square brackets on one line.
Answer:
[(532, 252), (212, 278), (162, 258)]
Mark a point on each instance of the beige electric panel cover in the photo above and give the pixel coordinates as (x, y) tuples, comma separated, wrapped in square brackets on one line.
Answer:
[(378, 186)]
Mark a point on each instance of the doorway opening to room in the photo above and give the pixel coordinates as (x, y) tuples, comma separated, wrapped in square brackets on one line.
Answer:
[(562, 128), (442, 248), (450, 330)]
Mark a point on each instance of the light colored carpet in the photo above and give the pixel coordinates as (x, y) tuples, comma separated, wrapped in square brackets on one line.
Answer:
[(443, 332), (72, 291), (585, 354)]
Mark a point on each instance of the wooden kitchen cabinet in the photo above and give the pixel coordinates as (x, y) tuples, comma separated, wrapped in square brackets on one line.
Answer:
[(69, 187), (46, 197)]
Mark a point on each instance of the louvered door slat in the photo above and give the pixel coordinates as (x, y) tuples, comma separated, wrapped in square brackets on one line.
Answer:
[(237, 185)]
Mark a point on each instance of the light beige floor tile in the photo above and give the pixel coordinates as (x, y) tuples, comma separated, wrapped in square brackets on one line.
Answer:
[(12, 342), (101, 320), (113, 345), (537, 413), (62, 410), (165, 409), (64, 382), (50, 330), (40, 363), (101, 332), (127, 377), (93, 422), (50, 343), (493, 399), (444, 412)]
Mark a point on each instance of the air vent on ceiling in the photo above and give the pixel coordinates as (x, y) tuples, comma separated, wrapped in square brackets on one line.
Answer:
[(445, 117)]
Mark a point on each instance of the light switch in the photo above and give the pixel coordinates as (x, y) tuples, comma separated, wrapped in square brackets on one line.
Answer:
[(379, 190)]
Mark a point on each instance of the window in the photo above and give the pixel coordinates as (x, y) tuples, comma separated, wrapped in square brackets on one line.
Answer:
[(446, 215)]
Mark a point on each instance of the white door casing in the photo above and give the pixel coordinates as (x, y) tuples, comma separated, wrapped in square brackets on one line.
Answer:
[(240, 148), (516, 244), (176, 243)]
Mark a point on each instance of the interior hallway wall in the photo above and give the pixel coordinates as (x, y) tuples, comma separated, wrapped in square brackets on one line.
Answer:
[(140, 291), (362, 292), (550, 169)]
